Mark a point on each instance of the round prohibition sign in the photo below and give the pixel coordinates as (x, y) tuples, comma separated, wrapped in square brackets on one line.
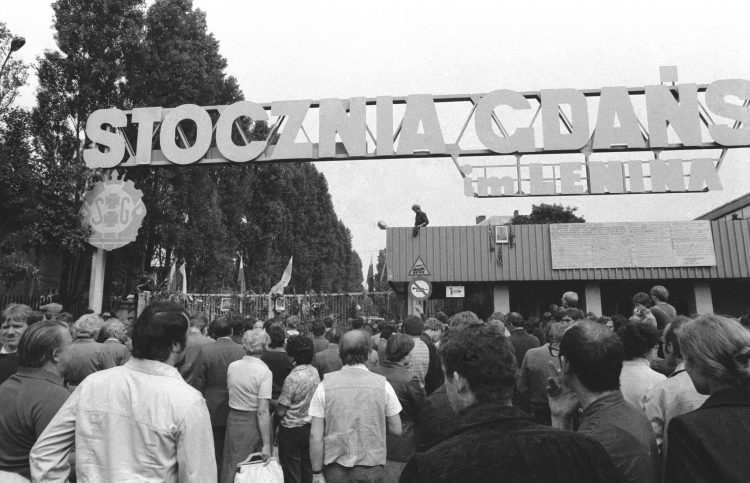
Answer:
[(420, 289)]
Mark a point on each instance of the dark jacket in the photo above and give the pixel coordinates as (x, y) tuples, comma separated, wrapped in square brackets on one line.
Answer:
[(8, 366), (498, 443), (320, 343), (328, 360), (434, 377), (194, 343), (84, 358), (626, 434), (28, 402), (436, 420), (710, 444), (119, 351), (280, 365), (522, 341), (210, 377), (411, 396)]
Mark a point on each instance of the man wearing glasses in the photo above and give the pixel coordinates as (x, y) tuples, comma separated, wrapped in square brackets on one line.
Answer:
[(535, 369)]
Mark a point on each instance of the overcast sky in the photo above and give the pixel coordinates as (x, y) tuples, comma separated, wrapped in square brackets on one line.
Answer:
[(314, 50)]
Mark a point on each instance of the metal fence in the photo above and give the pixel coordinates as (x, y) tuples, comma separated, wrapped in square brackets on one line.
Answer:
[(307, 306), (77, 307)]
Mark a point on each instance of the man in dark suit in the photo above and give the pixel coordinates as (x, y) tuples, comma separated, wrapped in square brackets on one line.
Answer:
[(319, 341), (196, 340), (522, 341), (210, 378), (112, 336), (329, 360)]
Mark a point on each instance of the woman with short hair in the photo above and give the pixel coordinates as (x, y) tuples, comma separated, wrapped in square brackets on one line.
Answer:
[(292, 411), (249, 423), (710, 444)]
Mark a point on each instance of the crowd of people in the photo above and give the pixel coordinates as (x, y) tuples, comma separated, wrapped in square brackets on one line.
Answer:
[(566, 397)]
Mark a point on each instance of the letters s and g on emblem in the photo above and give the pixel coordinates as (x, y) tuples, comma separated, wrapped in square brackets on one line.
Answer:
[(114, 211)]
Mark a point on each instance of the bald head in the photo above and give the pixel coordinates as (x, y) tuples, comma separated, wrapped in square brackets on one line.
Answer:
[(355, 347)]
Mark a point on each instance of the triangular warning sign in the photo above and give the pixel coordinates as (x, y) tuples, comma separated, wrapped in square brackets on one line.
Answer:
[(419, 269)]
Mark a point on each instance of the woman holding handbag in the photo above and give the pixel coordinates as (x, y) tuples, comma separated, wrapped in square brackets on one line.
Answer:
[(249, 424)]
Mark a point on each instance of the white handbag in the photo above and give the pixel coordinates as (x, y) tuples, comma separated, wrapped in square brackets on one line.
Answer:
[(256, 469)]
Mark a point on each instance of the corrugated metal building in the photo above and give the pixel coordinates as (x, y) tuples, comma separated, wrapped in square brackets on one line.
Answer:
[(519, 276)]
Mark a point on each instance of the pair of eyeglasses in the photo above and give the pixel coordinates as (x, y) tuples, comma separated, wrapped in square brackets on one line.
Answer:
[(554, 351)]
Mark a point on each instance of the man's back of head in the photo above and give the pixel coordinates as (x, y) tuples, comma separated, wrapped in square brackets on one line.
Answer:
[(357, 323), (43, 344), (594, 354), (515, 319), (328, 321), (112, 329), (570, 299), (88, 326), (221, 327), (334, 335), (413, 325), (318, 328), (659, 293), (355, 347), (482, 356), (158, 329), (198, 321), (463, 318)]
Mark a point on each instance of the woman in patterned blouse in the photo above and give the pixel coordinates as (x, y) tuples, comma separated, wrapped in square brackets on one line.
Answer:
[(294, 432)]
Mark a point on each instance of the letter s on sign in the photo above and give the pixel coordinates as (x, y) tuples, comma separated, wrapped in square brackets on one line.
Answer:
[(111, 140)]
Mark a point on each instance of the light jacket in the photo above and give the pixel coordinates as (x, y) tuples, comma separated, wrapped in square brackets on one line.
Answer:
[(135, 423)]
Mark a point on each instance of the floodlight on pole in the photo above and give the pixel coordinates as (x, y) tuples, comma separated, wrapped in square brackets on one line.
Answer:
[(15, 45)]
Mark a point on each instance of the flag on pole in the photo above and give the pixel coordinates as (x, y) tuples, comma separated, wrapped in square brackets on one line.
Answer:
[(279, 287), (183, 272), (371, 275), (241, 277), (384, 274), (172, 286)]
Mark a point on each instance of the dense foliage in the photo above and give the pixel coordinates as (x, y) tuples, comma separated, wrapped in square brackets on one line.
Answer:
[(545, 213), (118, 53)]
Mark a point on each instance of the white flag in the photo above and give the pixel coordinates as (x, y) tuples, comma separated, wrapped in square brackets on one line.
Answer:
[(184, 277), (279, 287)]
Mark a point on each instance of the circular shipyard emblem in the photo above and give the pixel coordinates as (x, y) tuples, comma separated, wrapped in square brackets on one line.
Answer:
[(420, 289), (114, 211)]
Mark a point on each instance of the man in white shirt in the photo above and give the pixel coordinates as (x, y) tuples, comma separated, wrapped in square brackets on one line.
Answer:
[(353, 409), (137, 422), (676, 395)]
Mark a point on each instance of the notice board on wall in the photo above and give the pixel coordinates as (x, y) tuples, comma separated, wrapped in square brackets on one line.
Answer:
[(625, 245)]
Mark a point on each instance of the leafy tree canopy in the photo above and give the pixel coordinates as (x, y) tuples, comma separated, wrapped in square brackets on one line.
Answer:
[(119, 53), (545, 213)]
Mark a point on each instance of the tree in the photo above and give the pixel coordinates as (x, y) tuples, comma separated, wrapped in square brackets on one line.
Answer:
[(381, 286), (15, 73), (18, 187), (95, 37), (544, 213), (119, 54)]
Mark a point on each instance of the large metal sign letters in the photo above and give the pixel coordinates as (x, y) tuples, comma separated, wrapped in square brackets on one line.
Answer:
[(607, 121)]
